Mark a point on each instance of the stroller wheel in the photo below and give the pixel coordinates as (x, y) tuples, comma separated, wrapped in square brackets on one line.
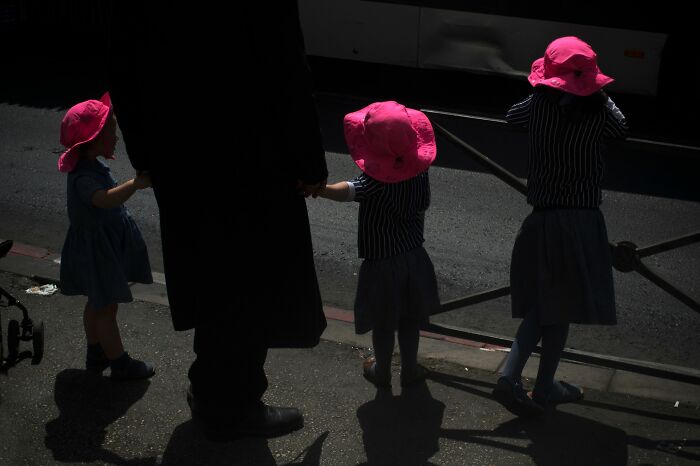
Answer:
[(38, 343), (12, 340)]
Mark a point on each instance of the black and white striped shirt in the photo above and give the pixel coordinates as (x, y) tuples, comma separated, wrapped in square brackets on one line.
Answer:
[(391, 215), (565, 162)]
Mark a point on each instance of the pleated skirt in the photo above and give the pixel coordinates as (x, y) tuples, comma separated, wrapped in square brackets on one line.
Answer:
[(561, 268), (396, 291)]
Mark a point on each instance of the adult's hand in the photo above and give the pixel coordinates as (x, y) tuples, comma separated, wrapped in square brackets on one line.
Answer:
[(311, 189)]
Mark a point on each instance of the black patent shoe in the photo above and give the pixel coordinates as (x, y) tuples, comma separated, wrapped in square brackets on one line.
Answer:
[(271, 421), (265, 421), (515, 399)]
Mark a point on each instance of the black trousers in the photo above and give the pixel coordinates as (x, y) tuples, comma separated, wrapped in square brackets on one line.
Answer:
[(228, 374)]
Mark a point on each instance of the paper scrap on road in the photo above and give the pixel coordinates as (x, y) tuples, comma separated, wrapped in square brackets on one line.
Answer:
[(44, 290)]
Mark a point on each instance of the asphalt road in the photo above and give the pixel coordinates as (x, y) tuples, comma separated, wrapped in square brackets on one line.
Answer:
[(650, 195), (56, 413)]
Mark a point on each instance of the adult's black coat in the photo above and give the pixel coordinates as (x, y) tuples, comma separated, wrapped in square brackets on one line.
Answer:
[(219, 109)]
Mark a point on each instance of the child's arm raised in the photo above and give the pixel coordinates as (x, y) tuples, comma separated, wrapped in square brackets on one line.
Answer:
[(342, 192), (111, 198)]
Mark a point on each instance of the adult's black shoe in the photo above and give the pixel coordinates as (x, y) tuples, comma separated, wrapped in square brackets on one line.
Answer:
[(264, 421)]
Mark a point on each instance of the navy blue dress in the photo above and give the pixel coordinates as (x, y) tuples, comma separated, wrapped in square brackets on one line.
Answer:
[(104, 249)]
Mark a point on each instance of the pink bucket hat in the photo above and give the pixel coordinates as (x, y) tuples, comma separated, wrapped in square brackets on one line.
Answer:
[(390, 142), (81, 124), (569, 64)]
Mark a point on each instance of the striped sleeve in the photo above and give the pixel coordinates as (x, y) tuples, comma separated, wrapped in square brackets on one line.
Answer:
[(519, 114), (364, 187), (615, 122)]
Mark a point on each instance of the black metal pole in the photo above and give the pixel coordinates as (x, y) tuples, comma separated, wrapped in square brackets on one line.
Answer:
[(473, 299), (644, 271), (498, 171), (669, 245), (680, 374)]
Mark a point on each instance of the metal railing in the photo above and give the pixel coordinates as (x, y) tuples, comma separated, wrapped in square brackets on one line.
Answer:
[(627, 257)]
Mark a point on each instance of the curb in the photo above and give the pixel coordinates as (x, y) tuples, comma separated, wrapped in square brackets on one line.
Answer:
[(43, 266)]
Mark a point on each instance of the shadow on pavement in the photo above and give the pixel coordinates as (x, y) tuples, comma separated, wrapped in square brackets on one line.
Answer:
[(311, 455), (188, 445), (468, 385), (673, 447), (88, 404), (565, 438), (640, 412), (401, 429)]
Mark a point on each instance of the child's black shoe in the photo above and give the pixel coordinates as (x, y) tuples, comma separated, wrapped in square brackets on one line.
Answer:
[(369, 371), (127, 368), (96, 359), (562, 392), (415, 376), (515, 399)]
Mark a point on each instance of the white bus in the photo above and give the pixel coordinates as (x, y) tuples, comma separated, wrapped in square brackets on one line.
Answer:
[(635, 46)]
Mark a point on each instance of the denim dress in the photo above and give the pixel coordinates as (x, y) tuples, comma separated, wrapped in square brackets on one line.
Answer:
[(103, 250)]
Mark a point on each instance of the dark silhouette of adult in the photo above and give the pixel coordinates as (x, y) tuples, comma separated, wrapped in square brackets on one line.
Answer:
[(216, 104)]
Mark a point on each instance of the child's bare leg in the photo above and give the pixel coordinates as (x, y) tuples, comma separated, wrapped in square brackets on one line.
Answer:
[(108, 331)]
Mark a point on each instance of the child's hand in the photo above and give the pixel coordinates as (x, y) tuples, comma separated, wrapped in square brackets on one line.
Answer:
[(142, 180)]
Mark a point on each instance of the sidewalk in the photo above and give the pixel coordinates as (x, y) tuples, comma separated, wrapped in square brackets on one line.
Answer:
[(55, 413)]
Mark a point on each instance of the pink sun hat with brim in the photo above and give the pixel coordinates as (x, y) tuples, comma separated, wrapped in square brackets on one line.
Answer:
[(390, 142), (81, 124), (569, 64)]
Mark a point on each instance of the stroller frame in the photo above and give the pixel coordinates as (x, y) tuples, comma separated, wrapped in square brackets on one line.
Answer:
[(16, 331)]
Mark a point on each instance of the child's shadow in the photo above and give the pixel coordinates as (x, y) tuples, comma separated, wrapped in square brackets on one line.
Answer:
[(557, 438), (401, 429), (565, 438), (88, 404)]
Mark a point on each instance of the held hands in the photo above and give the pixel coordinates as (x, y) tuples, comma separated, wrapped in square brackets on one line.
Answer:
[(142, 180), (311, 189), (114, 197)]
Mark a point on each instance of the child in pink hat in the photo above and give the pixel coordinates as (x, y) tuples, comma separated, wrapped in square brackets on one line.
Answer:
[(103, 250), (561, 268), (397, 290)]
